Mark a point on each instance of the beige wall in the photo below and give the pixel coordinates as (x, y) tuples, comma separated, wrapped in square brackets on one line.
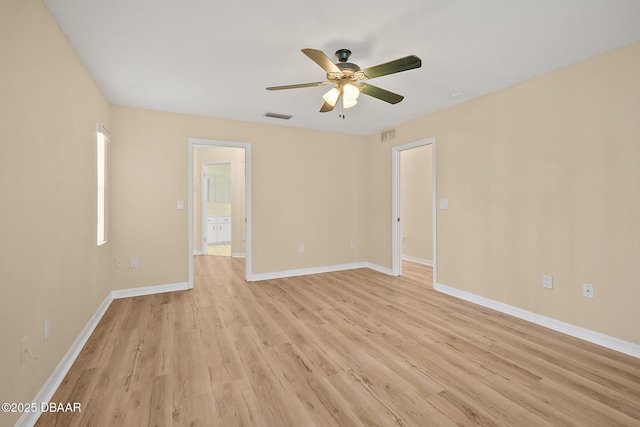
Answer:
[(416, 188), (307, 187), (235, 156), (50, 266), (541, 178)]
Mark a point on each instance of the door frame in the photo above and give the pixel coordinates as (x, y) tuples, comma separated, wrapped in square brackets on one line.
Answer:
[(197, 142), (396, 223), (203, 200)]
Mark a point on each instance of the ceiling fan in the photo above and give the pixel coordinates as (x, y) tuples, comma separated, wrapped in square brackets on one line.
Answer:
[(350, 79)]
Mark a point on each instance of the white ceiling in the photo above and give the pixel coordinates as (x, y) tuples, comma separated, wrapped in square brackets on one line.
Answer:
[(215, 58)]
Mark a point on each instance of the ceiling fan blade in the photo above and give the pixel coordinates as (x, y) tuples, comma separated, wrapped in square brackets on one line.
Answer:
[(322, 60), (382, 94), (403, 64), (298, 86), (326, 107)]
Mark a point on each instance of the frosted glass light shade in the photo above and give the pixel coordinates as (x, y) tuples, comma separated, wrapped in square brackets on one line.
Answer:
[(332, 96), (348, 103), (350, 95), (350, 91)]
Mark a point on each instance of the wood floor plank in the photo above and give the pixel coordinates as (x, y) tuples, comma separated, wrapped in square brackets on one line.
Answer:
[(349, 348), (221, 356), (160, 401), (295, 371), (274, 400)]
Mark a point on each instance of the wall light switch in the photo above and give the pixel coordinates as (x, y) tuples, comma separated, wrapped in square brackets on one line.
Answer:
[(444, 204), (301, 248), (134, 262), (180, 204), (547, 282)]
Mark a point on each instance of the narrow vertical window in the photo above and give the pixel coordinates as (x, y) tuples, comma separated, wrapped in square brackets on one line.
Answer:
[(102, 150)]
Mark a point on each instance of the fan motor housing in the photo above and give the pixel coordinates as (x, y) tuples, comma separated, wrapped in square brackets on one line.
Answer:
[(348, 67)]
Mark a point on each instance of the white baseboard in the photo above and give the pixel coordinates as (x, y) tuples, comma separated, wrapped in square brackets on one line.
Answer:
[(53, 382), (306, 271), (29, 419), (379, 268), (233, 255), (149, 290), (613, 343), (418, 260)]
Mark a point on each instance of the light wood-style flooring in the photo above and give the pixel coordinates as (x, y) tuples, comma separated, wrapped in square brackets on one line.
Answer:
[(352, 348), (219, 250)]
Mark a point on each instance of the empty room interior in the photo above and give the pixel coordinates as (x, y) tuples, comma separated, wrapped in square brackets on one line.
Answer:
[(459, 248)]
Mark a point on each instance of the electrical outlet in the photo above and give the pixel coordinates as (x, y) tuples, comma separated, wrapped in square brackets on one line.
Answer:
[(134, 262), (353, 244), (300, 248), (587, 290), (443, 203), (547, 282)]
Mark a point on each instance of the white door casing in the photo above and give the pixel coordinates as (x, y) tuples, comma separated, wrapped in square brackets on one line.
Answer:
[(197, 142), (396, 216)]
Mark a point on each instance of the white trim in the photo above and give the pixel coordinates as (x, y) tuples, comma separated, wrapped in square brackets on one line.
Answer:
[(101, 129), (607, 341), (201, 143), (53, 382), (233, 255), (317, 270), (434, 208), (306, 271), (149, 290), (379, 268), (396, 244), (396, 228), (418, 260), (204, 226)]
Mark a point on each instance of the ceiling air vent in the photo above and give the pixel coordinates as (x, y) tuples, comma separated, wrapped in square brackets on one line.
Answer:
[(278, 116)]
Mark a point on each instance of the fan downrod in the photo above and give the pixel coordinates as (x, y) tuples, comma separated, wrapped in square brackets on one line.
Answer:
[(343, 55)]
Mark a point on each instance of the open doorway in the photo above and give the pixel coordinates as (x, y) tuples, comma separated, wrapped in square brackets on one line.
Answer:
[(219, 200), (413, 199)]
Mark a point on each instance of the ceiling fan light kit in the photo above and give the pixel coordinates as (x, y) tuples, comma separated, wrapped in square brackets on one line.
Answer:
[(349, 78), (349, 94), (332, 96), (348, 103)]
